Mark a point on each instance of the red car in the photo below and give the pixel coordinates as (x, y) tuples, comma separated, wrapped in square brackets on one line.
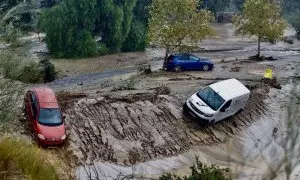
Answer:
[(45, 117)]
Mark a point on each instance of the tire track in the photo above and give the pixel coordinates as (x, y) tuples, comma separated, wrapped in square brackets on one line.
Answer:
[(137, 129)]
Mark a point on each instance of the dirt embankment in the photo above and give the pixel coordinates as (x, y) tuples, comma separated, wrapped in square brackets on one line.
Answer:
[(131, 127)]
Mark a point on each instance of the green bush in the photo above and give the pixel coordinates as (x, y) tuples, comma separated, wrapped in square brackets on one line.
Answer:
[(200, 171), (26, 158), (30, 72), (49, 71), (27, 71), (102, 49)]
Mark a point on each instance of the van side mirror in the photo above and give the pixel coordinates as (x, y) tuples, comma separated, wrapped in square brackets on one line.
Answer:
[(224, 109)]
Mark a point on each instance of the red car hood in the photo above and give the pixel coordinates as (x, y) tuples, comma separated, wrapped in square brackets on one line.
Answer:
[(51, 131)]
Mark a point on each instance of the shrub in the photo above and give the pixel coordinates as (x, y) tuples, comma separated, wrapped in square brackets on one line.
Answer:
[(26, 158), (200, 171), (50, 73), (126, 85), (102, 49), (28, 71)]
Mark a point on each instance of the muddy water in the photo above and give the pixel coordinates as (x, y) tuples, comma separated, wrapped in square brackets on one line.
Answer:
[(252, 153)]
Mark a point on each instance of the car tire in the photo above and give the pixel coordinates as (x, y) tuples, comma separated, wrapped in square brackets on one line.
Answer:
[(211, 122), (177, 68), (205, 67), (185, 109)]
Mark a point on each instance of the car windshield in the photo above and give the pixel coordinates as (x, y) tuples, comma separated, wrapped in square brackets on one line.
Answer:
[(50, 117), (211, 98)]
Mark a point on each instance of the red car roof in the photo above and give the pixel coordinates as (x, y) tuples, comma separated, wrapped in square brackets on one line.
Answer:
[(46, 98)]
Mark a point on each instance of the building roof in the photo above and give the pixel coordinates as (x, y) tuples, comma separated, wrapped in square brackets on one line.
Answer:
[(46, 98), (229, 89)]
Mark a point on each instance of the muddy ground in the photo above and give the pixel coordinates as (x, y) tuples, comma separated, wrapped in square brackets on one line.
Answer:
[(144, 127)]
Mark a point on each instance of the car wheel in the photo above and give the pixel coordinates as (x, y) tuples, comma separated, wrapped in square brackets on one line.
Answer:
[(212, 122), (205, 67), (177, 69)]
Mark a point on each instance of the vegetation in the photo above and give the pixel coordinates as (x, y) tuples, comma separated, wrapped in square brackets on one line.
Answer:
[(215, 6), (171, 27), (69, 28), (19, 159), (294, 19), (72, 25), (114, 22), (15, 17), (200, 171), (261, 18), (136, 39), (27, 71)]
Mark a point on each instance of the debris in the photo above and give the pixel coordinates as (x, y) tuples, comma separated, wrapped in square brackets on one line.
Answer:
[(272, 82), (288, 40)]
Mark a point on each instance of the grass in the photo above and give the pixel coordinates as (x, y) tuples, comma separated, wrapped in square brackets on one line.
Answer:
[(30, 161)]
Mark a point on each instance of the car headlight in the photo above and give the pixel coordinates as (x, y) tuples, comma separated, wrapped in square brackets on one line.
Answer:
[(208, 115), (63, 137), (40, 136)]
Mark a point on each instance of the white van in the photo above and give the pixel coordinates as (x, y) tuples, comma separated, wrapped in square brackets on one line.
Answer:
[(218, 101)]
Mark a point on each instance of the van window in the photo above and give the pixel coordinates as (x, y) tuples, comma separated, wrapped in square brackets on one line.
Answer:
[(211, 98), (226, 105)]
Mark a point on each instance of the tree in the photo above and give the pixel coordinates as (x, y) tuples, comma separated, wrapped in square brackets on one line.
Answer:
[(15, 17), (173, 23), (69, 28), (239, 4), (114, 22), (290, 6), (215, 6), (137, 37), (294, 19), (261, 18)]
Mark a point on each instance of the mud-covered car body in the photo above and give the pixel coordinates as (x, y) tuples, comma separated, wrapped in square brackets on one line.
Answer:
[(45, 117), (218, 101), (181, 62)]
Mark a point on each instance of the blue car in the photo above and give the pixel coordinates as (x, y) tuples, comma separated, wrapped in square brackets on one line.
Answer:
[(181, 62)]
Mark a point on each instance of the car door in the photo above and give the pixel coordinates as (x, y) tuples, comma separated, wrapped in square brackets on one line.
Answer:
[(225, 111), (27, 105), (33, 111), (195, 63), (184, 61)]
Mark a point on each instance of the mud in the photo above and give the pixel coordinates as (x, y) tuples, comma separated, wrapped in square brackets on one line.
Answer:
[(136, 126)]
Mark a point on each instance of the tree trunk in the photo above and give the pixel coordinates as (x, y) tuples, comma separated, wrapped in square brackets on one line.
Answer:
[(166, 58), (258, 52)]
